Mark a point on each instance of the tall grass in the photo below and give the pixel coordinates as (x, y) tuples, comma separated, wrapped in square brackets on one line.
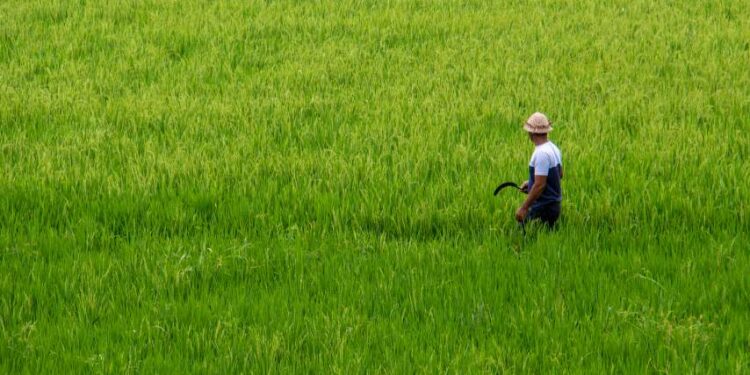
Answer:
[(197, 186)]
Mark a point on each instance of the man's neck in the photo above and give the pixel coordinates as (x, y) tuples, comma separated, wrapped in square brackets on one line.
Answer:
[(538, 141)]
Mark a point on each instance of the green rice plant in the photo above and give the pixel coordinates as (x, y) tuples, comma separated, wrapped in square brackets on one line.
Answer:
[(306, 187)]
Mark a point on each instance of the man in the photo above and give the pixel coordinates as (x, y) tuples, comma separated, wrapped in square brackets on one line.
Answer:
[(545, 173)]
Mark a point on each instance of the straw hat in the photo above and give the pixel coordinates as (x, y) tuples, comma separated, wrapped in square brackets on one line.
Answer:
[(538, 124)]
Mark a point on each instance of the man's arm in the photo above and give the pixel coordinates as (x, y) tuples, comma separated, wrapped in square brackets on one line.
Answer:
[(540, 182)]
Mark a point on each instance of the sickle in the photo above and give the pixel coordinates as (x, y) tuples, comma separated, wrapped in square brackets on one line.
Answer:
[(508, 184), (504, 185)]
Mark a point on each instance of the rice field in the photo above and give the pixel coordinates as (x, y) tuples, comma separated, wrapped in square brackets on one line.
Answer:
[(306, 187)]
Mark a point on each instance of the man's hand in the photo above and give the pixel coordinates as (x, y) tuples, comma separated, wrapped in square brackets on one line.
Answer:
[(525, 186), (521, 213), (540, 182)]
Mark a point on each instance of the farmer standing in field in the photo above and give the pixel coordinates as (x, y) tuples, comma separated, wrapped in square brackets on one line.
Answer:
[(545, 172)]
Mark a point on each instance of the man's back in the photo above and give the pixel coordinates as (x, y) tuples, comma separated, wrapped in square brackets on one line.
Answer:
[(547, 161)]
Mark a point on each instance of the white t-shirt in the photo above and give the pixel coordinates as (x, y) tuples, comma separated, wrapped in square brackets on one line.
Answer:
[(545, 157), (546, 161)]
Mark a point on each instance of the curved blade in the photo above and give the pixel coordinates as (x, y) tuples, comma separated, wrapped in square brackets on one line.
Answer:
[(507, 184)]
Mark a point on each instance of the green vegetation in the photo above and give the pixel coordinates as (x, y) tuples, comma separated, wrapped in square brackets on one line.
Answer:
[(283, 186)]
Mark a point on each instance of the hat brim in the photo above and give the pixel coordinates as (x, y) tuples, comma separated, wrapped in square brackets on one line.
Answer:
[(536, 131)]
